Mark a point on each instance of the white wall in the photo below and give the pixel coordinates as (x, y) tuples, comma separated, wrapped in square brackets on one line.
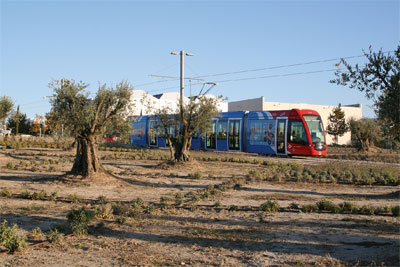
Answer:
[(146, 104)]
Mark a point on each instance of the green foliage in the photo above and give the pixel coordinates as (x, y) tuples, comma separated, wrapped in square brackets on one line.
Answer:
[(365, 132), (6, 106), (20, 120), (233, 208), (10, 165), (327, 205), (42, 195), (74, 198), (88, 119), (54, 236), (367, 210), (179, 126), (36, 234), (309, 208), (122, 220), (270, 206), (120, 209), (79, 219), (26, 194), (5, 192), (104, 211), (337, 125), (379, 79), (102, 199), (293, 206), (396, 211), (197, 175), (10, 239), (347, 207)]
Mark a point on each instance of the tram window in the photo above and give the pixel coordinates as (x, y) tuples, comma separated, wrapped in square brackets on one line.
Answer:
[(152, 133), (297, 133), (234, 138), (138, 130), (210, 140), (222, 130)]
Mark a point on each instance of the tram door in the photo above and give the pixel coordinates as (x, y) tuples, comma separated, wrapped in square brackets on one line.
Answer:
[(280, 137), (210, 137), (234, 135)]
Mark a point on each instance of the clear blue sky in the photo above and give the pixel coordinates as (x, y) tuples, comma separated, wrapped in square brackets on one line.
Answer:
[(108, 41)]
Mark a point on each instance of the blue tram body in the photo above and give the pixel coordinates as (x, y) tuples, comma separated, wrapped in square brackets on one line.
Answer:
[(267, 132)]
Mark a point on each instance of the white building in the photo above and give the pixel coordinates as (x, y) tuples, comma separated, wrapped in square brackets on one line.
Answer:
[(258, 104), (144, 103)]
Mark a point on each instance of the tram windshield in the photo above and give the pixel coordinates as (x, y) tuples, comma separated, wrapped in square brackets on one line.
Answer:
[(314, 125)]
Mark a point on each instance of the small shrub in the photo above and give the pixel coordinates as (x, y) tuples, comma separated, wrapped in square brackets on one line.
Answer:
[(138, 202), (270, 206), (74, 198), (42, 195), (233, 208), (52, 169), (54, 196), (10, 239), (293, 206), (327, 205), (197, 175), (26, 194), (346, 206), (120, 209), (79, 220), (10, 165), (5, 192), (104, 211), (150, 209), (309, 208), (16, 243), (367, 210), (34, 169), (122, 220), (54, 236), (102, 199), (396, 211), (217, 204), (36, 234)]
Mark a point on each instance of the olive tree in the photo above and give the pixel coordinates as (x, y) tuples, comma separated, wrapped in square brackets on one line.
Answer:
[(6, 105), (379, 79), (364, 132), (179, 127), (88, 118)]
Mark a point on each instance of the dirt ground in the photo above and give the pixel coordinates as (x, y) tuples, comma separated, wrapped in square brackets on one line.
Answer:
[(196, 235)]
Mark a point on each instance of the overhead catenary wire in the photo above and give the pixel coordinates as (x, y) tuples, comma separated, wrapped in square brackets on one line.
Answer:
[(255, 78), (265, 68)]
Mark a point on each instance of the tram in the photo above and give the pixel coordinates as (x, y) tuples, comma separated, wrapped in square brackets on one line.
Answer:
[(279, 132)]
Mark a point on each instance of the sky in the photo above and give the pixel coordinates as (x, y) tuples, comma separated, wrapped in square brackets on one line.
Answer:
[(110, 41)]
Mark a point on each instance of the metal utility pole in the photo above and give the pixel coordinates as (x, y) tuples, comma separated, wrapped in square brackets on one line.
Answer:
[(182, 76)]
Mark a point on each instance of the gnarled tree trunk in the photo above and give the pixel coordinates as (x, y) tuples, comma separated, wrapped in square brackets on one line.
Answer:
[(86, 160), (182, 149)]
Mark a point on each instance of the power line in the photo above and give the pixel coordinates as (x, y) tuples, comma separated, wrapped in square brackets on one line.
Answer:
[(285, 66), (266, 68), (255, 78)]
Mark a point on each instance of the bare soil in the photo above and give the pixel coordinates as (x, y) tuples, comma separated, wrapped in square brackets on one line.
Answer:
[(199, 235)]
